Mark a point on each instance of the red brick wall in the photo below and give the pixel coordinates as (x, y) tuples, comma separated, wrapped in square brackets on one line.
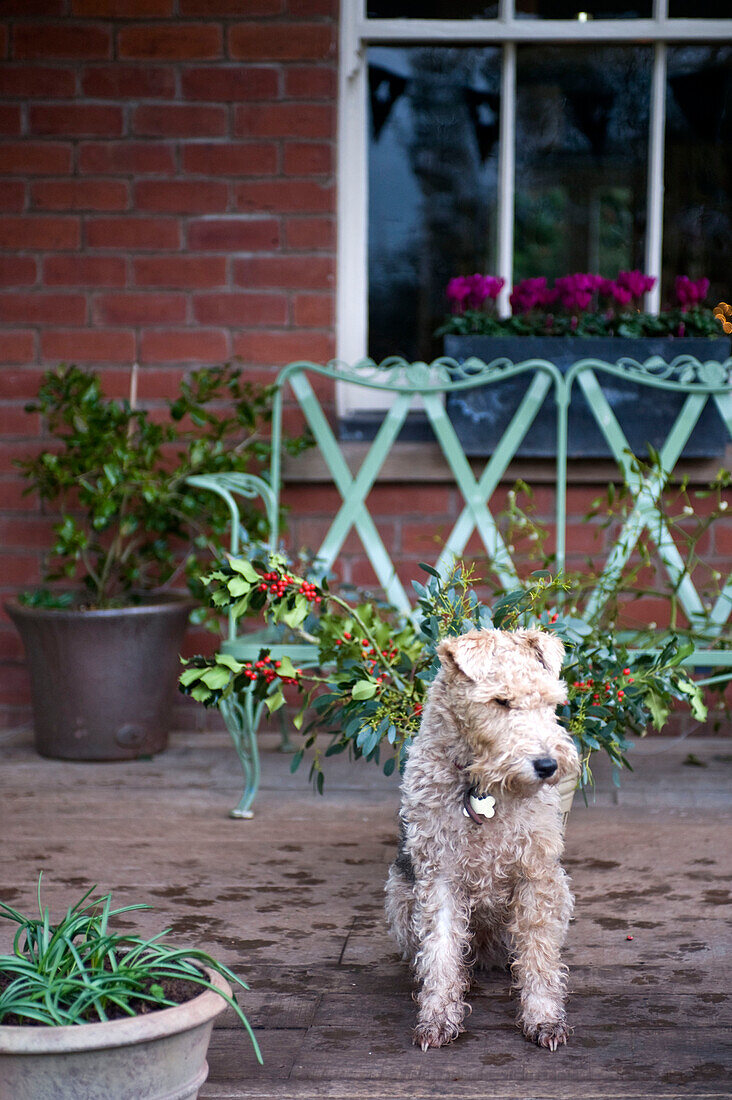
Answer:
[(167, 196)]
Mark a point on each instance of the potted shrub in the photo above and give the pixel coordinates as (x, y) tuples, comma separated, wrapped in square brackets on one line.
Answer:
[(103, 655), (372, 667), (86, 1012), (581, 316)]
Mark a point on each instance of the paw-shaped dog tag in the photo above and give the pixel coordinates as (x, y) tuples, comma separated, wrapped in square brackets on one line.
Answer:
[(482, 807)]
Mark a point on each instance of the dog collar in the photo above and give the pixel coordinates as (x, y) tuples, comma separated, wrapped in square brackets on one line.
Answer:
[(478, 808)]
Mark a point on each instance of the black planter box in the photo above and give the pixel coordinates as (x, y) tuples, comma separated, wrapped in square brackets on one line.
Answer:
[(480, 416)]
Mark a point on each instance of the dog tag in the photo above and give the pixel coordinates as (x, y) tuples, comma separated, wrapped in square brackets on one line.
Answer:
[(482, 807)]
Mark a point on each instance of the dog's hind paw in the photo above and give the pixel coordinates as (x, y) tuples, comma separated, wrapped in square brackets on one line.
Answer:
[(435, 1033), (550, 1035)]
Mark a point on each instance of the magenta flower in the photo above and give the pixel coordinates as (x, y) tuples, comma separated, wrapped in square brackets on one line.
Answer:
[(690, 293), (576, 291), (532, 294), (635, 282), (472, 291)]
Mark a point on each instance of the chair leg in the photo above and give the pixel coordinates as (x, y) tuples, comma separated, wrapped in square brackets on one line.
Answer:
[(242, 721)]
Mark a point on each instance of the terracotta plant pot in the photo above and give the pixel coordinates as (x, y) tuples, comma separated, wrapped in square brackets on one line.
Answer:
[(102, 682), (158, 1056)]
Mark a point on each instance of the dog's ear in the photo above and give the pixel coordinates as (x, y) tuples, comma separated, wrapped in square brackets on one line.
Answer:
[(547, 648), (472, 653)]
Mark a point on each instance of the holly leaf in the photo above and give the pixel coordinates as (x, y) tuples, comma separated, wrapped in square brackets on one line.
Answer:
[(247, 570), (364, 689)]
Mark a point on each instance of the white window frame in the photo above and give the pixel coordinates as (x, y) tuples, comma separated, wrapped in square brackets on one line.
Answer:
[(357, 33)]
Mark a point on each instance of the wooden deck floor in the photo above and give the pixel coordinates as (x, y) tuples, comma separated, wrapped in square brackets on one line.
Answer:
[(293, 902)]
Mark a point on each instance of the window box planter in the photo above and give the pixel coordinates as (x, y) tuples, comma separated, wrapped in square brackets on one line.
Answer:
[(481, 415)]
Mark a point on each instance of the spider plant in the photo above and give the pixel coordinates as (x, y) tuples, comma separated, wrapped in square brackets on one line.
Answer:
[(78, 971)]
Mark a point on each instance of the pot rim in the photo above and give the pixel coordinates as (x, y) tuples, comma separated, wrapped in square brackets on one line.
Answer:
[(164, 603), (73, 1038)]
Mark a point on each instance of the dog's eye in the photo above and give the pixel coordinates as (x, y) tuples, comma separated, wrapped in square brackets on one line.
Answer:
[(502, 702)]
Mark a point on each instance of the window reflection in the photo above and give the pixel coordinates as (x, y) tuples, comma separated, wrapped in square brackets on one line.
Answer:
[(584, 9), (700, 9), (697, 230), (432, 186), (581, 151), (431, 9)]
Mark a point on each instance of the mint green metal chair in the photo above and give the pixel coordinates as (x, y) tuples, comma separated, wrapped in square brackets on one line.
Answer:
[(700, 382)]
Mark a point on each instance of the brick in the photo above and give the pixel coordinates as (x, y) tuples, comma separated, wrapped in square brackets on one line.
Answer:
[(80, 270), (723, 540), (310, 234), (311, 83), (15, 347), (10, 122), (185, 272), (26, 158), (179, 120), (88, 346), (240, 159), (249, 10), (181, 196), (409, 499), (278, 348), (181, 345), (128, 81), (30, 532), (146, 234), (284, 120), (37, 308), (36, 81), (291, 272), (139, 309), (229, 84), (237, 234), (15, 688), (123, 9), (39, 232), (309, 8), (313, 310), (14, 420), (4, 40), (63, 40), (281, 42), (80, 194), (308, 158), (12, 196), (183, 41), (284, 197), (240, 309), (75, 119), (126, 158), (39, 8), (17, 271)]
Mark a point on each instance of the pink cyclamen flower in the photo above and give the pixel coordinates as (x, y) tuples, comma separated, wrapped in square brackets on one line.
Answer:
[(472, 291), (690, 293), (635, 282), (532, 294)]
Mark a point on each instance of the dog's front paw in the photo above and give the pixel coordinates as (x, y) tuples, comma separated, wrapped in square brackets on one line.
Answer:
[(548, 1035), (435, 1033)]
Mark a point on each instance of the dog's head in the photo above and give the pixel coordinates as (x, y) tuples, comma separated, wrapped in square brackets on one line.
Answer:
[(503, 688)]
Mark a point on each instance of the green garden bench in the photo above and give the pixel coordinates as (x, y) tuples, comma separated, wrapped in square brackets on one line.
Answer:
[(701, 383)]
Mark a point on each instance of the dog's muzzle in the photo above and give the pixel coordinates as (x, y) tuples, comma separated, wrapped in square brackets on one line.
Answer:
[(544, 766)]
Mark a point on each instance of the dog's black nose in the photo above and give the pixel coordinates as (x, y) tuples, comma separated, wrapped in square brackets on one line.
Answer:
[(544, 766)]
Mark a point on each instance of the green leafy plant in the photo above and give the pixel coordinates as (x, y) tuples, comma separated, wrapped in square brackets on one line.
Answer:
[(372, 667), (79, 971), (117, 475)]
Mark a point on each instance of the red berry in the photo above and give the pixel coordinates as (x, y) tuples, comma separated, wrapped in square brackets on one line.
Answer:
[(629, 937), (621, 695), (626, 672)]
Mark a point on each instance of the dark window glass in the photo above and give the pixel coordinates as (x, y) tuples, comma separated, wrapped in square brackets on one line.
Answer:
[(582, 116), (431, 9), (697, 227), (700, 9), (585, 9), (433, 160)]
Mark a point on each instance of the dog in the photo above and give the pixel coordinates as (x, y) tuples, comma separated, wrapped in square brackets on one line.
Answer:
[(478, 868)]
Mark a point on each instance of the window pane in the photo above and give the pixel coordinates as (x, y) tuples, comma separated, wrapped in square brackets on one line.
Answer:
[(433, 157), (697, 229), (700, 9), (582, 116), (431, 9), (584, 9)]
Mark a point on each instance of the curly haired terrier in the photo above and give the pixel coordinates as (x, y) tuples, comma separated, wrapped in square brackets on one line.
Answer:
[(478, 869)]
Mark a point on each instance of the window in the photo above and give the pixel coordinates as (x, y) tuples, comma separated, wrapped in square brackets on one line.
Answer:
[(526, 138)]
